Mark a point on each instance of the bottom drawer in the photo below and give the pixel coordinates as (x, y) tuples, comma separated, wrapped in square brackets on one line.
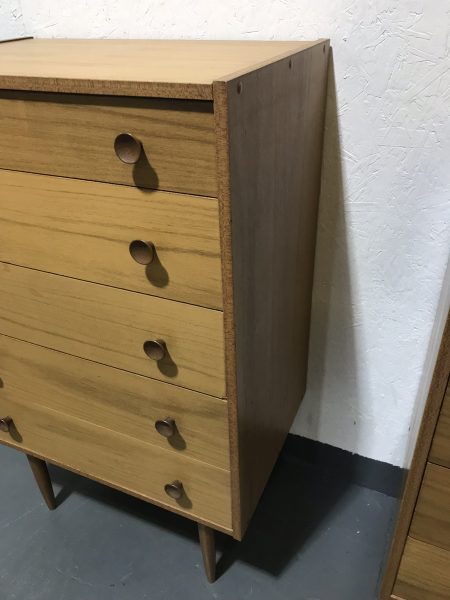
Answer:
[(126, 463)]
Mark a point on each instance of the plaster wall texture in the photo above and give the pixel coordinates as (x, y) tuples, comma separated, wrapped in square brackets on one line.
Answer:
[(11, 21), (383, 236)]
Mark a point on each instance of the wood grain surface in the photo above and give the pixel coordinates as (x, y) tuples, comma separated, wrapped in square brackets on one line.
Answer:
[(436, 392), (123, 402), (424, 572), (431, 521), (121, 460), (41, 475), (440, 450), (83, 229), (269, 127), (110, 326), (167, 68), (73, 136)]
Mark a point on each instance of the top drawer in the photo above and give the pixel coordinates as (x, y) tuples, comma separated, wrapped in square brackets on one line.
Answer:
[(74, 136)]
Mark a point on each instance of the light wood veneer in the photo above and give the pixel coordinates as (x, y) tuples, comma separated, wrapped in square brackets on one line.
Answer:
[(230, 134), (118, 459), (440, 449), (424, 573), (73, 136), (431, 521), (83, 229), (167, 68), (117, 400), (110, 326)]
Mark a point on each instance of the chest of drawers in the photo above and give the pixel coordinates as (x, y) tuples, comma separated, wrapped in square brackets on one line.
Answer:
[(158, 207)]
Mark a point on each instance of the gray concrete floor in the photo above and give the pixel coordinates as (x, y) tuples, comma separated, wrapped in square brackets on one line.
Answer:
[(315, 536)]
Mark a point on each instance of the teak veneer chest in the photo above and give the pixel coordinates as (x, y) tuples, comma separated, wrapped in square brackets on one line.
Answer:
[(158, 207)]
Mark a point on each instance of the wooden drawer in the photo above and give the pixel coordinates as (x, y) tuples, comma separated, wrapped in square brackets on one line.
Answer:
[(440, 450), (73, 136), (110, 326), (431, 521), (126, 403), (120, 460), (424, 573), (83, 229)]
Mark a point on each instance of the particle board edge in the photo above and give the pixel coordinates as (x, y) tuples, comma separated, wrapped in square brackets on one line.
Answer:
[(223, 181), (104, 87)]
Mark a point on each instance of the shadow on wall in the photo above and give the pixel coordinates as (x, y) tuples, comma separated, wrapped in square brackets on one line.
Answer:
[(329, 411)]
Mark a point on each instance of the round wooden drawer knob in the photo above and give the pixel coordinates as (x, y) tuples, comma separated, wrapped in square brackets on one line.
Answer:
[(127, 148), (155, 349), (166, 427), (174, 489), (142, 252), (6, 424)]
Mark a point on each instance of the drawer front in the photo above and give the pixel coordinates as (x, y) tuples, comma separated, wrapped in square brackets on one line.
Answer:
[(120, 460), (440, 450), (431, 521), (83, 229), (123, 402), (74, 136), (424, 572), (111, 326)]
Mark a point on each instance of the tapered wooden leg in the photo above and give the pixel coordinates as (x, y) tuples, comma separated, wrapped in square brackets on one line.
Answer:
[(208, 546), (40, 472)]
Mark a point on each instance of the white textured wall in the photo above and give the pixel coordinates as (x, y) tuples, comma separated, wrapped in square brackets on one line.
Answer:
[(384, 218), (11, 21)]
